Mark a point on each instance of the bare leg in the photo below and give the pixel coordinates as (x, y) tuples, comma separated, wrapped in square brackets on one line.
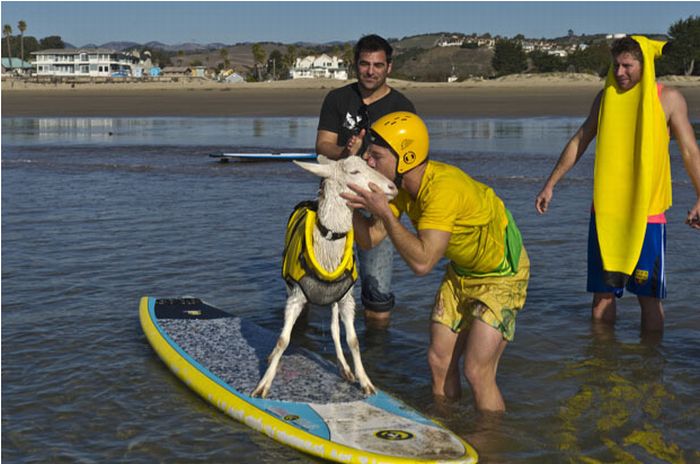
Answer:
[(652, 314), (295, 303), (604, 308), (443, 357), (377, 320), (484, 348)]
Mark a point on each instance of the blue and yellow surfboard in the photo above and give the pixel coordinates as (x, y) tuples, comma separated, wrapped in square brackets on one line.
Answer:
[(309, 407)]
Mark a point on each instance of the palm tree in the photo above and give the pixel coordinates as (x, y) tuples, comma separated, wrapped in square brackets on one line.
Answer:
[(7, 32), (223, 54), (22, 26), (259, 55)]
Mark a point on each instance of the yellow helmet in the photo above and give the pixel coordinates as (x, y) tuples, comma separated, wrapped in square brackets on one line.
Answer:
[(405, 133)]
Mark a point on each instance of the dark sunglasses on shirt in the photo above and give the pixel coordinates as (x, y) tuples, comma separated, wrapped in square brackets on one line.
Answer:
[(363, 121)]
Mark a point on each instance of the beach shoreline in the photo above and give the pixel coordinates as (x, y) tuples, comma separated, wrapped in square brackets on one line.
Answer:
[(512, 96)]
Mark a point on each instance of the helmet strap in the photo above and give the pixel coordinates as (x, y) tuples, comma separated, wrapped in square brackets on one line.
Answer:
[(398, 179)]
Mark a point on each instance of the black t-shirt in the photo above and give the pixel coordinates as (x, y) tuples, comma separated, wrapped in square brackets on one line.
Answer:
[(344, 113)]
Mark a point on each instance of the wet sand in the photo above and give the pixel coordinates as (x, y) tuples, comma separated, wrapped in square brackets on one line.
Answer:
[(508, 98)]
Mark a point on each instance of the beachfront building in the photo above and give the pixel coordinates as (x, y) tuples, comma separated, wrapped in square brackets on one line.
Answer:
[(176, 71), (16, 66), (198, 71), (83, 62), (229, 76), (312, 67)]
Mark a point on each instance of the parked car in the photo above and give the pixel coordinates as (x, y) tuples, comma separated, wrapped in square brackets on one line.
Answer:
[(120, 74)]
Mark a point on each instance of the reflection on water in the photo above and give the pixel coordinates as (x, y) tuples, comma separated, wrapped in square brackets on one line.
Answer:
[(534, 135), (621, 394), (258, 127), (241, 132), (474, 135), (293, 128)]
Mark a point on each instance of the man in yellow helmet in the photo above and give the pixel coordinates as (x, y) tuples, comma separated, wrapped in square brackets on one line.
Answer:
[(630, 118), (456, 217)]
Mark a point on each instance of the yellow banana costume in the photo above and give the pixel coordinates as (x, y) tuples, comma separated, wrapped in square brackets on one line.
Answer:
[(632, 177), (299, 264)]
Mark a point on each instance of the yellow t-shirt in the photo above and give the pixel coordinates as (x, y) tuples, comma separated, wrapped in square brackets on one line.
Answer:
[(452, 201)]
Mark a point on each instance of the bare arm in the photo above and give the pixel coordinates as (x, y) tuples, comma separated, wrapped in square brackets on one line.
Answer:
[(368, 231), (421, 251), (573, 151), (676, 110), (327, 144)]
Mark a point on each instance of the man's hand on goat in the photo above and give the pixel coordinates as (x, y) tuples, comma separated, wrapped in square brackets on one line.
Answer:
[(373, 200)]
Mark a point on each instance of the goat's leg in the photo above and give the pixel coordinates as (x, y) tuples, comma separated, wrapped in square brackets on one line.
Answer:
[(295, 303), (347, 312), (335, 333)]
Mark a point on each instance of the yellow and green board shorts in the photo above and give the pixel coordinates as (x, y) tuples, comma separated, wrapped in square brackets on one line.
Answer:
[(494, 300)]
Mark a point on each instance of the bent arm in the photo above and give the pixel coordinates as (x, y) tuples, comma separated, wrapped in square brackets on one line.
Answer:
[(573, 151), (685, 136), (421, 251), (327, 144)]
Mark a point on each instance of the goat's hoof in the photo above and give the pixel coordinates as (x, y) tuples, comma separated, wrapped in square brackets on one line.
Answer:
[(259, 392), (369, 389), (348, 375)]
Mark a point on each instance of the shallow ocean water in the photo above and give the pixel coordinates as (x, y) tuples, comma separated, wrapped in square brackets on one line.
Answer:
[(97, 212)]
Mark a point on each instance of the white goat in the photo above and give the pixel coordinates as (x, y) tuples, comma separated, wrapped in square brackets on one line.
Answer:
[(331, 236)]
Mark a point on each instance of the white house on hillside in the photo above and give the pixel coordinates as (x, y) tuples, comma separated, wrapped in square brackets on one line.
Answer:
[(451, 41), (88, 62), (311, 67)]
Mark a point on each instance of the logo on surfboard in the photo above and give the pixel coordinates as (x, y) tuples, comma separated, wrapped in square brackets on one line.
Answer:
[(394, 435)]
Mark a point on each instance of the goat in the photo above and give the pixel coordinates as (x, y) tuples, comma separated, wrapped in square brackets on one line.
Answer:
[(331, 235)]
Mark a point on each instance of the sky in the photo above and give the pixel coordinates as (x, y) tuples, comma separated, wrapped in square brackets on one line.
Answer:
[(230, 22)]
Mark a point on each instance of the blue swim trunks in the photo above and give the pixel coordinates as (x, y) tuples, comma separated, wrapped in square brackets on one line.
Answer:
[(649, 275)]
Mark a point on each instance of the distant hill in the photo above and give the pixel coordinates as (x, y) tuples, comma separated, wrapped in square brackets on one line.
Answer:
[(119, 45), (438, 63), (240, 56), (416, 58), (422, 41), (187, 47), (156, 46)]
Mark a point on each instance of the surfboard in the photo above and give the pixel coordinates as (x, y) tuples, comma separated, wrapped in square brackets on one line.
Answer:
[(309, 407), (263, 156)]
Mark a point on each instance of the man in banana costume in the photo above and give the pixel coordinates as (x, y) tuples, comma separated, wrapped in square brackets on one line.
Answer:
[(631, 119)]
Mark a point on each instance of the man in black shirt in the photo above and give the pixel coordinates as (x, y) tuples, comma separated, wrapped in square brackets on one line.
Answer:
[(346, 115)]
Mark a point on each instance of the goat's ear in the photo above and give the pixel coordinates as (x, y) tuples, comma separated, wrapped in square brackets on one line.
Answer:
[(324, 160), (321, 170)]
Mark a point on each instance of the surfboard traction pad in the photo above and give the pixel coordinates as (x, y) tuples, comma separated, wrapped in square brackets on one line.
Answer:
[(236, 351)]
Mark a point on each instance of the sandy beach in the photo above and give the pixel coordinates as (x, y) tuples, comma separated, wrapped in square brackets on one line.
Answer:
[(511, 96)]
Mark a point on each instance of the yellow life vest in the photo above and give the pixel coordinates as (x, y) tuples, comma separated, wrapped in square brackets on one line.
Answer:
[(299, 264), (632, 177)]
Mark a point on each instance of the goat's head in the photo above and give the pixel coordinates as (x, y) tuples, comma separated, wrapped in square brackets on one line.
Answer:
[(352, 169)]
